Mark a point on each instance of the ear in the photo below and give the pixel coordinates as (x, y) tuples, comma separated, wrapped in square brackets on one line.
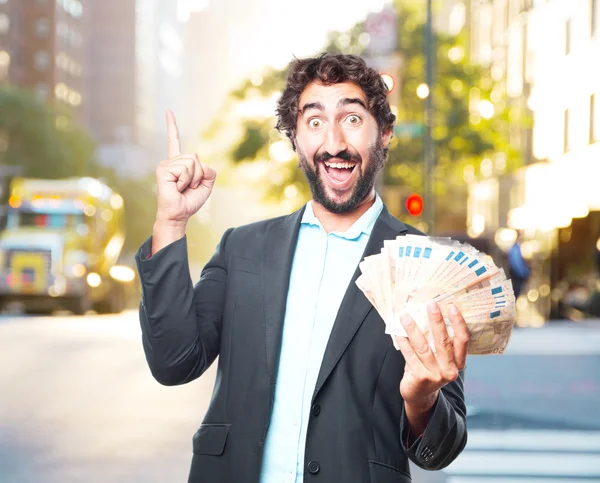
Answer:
[(386, 136)]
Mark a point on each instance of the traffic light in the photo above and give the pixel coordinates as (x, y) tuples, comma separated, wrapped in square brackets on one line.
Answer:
[(414, 204)]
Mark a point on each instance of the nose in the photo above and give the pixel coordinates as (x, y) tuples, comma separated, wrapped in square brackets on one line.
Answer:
[(336, 141)]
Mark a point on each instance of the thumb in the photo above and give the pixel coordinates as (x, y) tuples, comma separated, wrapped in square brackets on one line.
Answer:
[(209, 177)]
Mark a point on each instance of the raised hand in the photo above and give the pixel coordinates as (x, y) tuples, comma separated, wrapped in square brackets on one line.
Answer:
[(183, 183)]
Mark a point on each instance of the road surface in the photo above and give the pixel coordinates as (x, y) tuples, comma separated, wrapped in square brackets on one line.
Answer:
[(78, 404)]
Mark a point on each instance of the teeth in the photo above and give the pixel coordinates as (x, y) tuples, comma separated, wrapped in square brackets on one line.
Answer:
[(339, 165)]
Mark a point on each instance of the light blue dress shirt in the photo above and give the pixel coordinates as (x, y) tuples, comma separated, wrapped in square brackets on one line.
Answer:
[(322, 269)]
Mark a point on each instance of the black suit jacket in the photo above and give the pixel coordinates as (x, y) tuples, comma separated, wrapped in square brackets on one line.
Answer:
[(357, 430)]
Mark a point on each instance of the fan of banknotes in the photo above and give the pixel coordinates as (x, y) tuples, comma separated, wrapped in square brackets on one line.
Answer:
[(413, 270)]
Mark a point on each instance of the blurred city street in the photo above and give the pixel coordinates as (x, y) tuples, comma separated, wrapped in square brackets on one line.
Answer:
[(490, 115), (79, 405)]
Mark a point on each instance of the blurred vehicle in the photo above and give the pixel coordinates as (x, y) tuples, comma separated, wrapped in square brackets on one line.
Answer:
[(60, 247)]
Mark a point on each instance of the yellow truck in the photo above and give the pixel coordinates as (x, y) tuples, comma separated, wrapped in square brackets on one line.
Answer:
[(60, 247)]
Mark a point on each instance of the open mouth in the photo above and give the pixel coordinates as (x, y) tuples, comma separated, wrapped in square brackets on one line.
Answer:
[(339, 173)]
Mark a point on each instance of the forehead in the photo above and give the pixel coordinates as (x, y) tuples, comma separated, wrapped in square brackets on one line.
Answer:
[(329, 95)]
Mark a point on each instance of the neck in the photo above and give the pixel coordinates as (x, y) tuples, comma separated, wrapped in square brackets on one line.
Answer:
[(342, 222)]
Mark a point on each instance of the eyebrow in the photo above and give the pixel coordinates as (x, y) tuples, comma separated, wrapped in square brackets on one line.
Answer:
[(352, 100), (312, 105), (341, 103)]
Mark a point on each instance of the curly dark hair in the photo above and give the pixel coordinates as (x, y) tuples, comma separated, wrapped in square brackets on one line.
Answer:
[(330, 69)]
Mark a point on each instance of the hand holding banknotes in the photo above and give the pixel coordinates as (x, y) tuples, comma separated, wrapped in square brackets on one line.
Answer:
[(426, 370), (412, 271), (473, 310)]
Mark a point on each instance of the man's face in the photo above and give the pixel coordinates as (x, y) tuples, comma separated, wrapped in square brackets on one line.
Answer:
[(339, 145)]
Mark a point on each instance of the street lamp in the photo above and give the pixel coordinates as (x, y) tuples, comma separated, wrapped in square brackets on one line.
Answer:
[(422, 91)]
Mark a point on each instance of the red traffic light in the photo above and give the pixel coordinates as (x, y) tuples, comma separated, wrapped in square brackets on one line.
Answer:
[(414, 204)]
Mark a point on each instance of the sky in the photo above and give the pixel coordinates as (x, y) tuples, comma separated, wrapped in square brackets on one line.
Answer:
[(289, 27), (248, 35)]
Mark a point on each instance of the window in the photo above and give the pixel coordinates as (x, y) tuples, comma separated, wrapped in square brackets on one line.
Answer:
[(593, 17), (594, 121), (62, 30), (75, 69), (41, 59), (74, 7), (75, 39), (4, 23), (568, 32), (42, 90), (566, 132), (42, 28), (4, 64), (4, 58), (74, 98)]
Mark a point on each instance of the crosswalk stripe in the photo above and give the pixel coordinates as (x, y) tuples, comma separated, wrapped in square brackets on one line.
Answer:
[(478, 479), (535, 440), (504, 463), (554, 341)]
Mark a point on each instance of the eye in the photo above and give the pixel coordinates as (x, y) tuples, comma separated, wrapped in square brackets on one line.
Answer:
[(353, 119), (314, 123)]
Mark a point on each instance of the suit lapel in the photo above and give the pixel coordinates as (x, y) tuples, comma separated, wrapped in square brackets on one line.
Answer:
[(280, 245), (355, 306)]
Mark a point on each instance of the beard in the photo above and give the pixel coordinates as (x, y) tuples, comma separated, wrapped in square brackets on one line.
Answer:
[(362, 188)]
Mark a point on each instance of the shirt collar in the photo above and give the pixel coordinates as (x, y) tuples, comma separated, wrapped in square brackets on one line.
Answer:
[(364, 224)]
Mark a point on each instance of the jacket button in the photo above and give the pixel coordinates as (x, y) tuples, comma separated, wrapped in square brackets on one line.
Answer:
[(313, 467), (316, 410)]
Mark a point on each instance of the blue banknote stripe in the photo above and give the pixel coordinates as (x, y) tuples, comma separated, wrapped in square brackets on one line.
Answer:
[(480, 271)]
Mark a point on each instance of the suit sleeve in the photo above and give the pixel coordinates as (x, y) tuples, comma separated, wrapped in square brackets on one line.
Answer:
[(181, 323), (446, 433)]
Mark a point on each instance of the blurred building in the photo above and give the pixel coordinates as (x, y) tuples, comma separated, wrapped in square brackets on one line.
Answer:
[(42, 49), (111, 83), (222, 48), (133, 73), (500, 39), (546, 56), (111, 70), (159, 73), (206, 71)]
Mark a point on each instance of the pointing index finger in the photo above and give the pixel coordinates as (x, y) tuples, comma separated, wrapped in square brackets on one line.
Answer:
[(173, 135)]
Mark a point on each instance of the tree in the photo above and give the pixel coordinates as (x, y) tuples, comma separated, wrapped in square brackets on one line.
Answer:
[(41, 139), (472, 118), (45, 143)]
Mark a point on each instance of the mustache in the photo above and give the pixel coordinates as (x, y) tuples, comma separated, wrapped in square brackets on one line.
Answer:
[(343, 155)]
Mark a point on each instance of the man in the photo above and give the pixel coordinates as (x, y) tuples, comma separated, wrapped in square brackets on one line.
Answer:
[(309, 387), (519, 269)]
